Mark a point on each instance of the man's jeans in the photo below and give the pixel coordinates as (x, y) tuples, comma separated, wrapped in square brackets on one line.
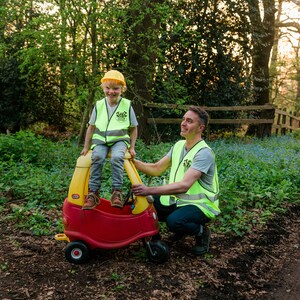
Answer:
[(183, 220)]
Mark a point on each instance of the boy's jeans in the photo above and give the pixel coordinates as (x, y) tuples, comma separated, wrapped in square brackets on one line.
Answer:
[(117, 163)]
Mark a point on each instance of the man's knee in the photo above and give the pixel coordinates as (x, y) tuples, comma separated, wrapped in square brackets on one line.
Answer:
[(174, 224)]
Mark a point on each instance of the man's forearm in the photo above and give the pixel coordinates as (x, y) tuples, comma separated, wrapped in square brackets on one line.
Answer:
[(168, 189), (147, 168)]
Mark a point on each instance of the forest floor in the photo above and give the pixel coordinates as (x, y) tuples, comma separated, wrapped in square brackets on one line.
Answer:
[(262, 265)]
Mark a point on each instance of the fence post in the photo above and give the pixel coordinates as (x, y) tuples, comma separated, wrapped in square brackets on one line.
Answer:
[(294, 122), (288, 122), (283, 129), (275, 122), (142, 113)]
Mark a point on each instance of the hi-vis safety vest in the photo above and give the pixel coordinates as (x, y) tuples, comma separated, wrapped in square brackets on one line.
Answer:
[(113, 129), (198, 195)]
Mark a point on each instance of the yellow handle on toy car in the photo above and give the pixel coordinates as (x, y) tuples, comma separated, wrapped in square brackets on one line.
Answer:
[(79, 183), (141, 202)]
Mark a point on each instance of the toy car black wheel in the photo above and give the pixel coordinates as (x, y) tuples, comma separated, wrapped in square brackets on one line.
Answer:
[(158, 251), (77, 252)]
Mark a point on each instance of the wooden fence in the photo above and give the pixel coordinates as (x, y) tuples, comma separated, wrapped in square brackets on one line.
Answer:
[(285, 122), (282, 121)]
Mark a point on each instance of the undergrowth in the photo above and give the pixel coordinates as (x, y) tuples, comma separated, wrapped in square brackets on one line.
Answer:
[(258, 178)]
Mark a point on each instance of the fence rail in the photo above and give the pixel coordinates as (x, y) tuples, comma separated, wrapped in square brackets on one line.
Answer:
[(281, 120), (285, 122)]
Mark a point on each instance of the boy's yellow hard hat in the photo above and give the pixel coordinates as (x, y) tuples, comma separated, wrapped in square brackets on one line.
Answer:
[(114, 74)]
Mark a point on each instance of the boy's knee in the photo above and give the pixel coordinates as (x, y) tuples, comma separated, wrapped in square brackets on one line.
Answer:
[(117, 159), (98, 157)]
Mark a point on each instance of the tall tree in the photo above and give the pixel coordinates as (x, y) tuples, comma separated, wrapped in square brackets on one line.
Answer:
[(292, 28), (274, 57), (263, 30), (143, 28), (92, 86)]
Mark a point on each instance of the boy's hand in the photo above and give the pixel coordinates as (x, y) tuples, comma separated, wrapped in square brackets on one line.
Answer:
[(132, 152), (84, 151)]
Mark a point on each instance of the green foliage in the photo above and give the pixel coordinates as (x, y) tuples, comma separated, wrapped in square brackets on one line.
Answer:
[(152, 153), (33, 217), (198, 62), (258, 178), (25, 147), (35, 169), (184, 52), (12, 88)]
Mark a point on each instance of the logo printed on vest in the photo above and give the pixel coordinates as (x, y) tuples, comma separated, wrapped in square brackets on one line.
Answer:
[(187, 163), (121, 116)]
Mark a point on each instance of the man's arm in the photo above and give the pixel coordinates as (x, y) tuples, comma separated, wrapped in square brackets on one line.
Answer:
[(169, 189), (153, 169)]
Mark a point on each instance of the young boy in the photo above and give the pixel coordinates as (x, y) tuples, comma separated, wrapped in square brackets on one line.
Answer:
[(113, 125)]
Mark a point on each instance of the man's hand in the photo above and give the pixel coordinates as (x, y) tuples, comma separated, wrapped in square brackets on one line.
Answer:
[(140, 189)]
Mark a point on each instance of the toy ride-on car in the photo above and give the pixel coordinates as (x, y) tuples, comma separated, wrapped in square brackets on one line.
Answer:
[(108, 227)]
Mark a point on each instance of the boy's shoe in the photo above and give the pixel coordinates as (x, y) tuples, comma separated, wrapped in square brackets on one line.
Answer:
[(202, 242), (91, 201), (116, 199)]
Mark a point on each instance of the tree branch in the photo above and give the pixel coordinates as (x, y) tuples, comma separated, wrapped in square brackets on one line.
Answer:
[(289, 24)]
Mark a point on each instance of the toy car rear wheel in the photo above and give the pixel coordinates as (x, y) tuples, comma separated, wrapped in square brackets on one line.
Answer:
[(158, 251), (77, 252)]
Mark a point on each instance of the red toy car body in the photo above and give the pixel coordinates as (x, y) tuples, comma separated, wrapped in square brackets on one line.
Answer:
[(105, 226)]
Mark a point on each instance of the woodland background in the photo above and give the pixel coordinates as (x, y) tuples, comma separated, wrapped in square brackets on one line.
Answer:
[(208, 53)]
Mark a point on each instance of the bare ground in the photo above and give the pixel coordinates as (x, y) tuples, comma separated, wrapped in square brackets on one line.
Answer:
[(262, 265)]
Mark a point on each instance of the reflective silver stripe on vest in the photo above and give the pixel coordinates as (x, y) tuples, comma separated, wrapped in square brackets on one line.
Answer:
[(119, 132), (172, 200), (215, 212), (99, 142), (196, 197)]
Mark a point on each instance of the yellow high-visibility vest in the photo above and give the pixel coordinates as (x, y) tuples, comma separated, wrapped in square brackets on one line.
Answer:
[(113, 129), (198, 195)]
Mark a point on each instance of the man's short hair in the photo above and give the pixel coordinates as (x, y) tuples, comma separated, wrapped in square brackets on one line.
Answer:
[(202, 114)]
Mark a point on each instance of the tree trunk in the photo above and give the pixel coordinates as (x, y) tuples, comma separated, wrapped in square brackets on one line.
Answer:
[(63, 81), (93, 82), (142, 51), (274, 58), (297, 100), (85, 117), (262, 39)]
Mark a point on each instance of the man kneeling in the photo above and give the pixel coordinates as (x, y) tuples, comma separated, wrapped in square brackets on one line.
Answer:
[(190, 199)]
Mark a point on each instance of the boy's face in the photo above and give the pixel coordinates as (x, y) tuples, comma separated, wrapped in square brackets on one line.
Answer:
[(112, 91)]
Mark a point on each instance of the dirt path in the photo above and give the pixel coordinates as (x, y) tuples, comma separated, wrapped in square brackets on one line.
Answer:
[(263, 265)]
